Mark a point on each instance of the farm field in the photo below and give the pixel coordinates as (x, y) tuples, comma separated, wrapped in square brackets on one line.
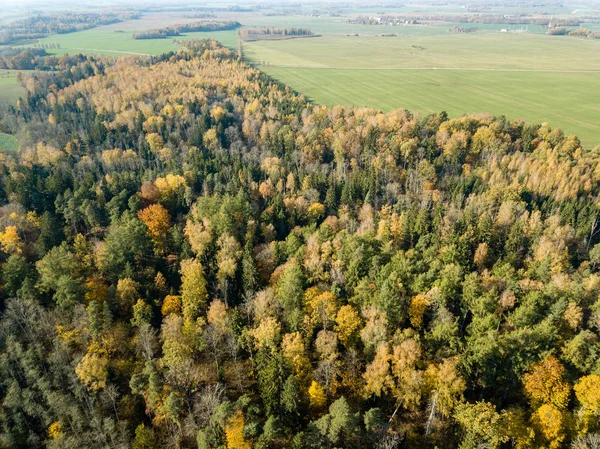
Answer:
[(538, 78), (10, 88), (116, 42), (8, 143), (116, 39)]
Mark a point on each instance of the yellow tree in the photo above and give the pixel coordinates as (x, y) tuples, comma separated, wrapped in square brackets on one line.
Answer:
[(92, 371), (551, 422), (546, 384), (377, 375), (410, 381), (587, 390), (10, 240), (228, 256), (234, 432), (447, 386), (294, 353), (158, 222), (348, 323), (317, 396)]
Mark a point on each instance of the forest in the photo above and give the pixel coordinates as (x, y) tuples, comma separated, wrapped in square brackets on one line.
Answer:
[(193, 255), (176, 30), (25, 30)]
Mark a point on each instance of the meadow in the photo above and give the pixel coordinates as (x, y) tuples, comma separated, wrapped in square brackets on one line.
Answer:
[(8, 143), (10, 88)]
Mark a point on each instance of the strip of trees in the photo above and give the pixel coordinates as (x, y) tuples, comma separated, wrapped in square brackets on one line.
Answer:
[(26, 30), (272, 33), (176, 30)]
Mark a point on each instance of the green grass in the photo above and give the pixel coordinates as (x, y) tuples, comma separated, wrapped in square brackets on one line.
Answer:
[(538, 78), (112, 42), (10, 88), (8, 143)]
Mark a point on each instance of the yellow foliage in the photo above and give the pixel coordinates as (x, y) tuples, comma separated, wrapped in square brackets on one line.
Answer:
[(294, 353), (171, 304), (545, 384), (267, 333), (199, 235), (217, 314), (550, 420), (573, 315), (234, 432), (158, 221), (377, 375), (229, 253), (54, 430), (316, 211), (96, 290), (92, 371), (447, 383), (587, 390), (418, 307), (193, 289), (69, 337), (317, 396), (170, 185), (10, 240), (321, 308), (348, 323)]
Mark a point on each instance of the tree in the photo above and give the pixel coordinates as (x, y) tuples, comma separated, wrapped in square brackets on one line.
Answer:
[(317, 396), (551, 422), (234, 432), (377, 375), (145, 438), (193, 289), (290, 291), (545, 384), (93, 368), (481, 424), (348, 323), (587, 390), (14, 272), (158, 221)]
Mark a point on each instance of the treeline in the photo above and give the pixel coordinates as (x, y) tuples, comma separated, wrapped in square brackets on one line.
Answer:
[(39, 26), (383, 20), (37, 59), (176, 30), (266, 33), (456, 29), (516, 19), (579, 32), (191, 255)]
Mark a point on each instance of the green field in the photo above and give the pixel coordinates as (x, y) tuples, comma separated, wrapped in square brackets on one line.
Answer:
[(114, 42), (539, 78), (10, 88), (8, 143)]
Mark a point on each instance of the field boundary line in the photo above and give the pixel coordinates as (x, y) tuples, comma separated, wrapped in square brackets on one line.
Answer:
[(110, 51), (469, 69)]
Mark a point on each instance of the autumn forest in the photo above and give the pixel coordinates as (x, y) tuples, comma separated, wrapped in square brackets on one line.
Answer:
[(194, 255)]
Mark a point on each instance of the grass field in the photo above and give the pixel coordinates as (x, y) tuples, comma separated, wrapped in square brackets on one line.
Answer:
[(10, 88), (8, 143), (539, 78), (115, 42)]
